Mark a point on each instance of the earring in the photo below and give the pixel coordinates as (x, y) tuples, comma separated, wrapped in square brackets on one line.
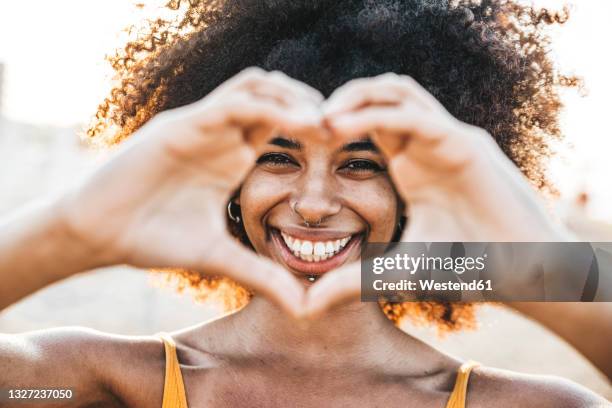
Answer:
[(235, 218)]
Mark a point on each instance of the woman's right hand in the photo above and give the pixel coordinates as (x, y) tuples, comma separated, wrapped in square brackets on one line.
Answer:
[(161, 200)]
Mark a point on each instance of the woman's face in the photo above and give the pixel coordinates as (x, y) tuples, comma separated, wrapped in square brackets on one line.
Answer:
[(309, 205)]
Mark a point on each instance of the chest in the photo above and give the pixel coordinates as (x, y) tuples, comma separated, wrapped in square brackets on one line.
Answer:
[(280, 388)]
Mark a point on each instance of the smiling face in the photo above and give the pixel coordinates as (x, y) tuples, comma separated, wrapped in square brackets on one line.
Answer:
[(309, 204)]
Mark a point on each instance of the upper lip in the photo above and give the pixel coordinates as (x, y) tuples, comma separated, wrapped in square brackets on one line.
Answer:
[(313, 234)]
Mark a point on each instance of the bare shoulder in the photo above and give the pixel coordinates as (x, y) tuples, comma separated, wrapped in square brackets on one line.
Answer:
[(501, 388), (97, 366)]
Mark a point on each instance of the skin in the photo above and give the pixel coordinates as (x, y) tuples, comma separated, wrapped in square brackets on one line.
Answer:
[(345, 191), (172, 181)]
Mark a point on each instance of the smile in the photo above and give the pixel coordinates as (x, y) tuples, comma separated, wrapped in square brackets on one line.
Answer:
[(315, 252)]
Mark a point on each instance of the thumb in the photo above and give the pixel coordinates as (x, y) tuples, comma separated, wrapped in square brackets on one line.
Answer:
[(334, 288), (258, 273)]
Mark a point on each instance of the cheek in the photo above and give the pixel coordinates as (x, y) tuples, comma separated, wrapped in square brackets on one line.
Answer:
[(258, 195), (376, 201)]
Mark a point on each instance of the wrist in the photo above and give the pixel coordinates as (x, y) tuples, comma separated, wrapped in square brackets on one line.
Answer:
[(85, 253)]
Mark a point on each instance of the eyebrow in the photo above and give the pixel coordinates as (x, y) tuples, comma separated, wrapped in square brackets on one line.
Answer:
[(357, 146), (286, 143), (360, 146)]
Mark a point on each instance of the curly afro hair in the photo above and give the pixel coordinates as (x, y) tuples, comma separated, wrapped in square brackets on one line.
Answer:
[(486, 61)]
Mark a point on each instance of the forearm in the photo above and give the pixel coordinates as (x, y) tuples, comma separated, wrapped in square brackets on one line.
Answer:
[(586, 326), (36, 249)]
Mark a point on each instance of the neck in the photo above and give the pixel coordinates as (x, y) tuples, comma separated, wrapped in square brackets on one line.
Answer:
[(357, 334)]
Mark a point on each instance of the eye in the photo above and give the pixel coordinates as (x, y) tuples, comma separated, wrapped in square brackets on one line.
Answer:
[(277, 160), (361, 166)]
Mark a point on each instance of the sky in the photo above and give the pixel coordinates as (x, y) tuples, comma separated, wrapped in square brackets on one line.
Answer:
[(55, 74)]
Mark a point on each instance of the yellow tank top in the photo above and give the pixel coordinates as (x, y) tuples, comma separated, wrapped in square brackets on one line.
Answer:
[(174, 387)]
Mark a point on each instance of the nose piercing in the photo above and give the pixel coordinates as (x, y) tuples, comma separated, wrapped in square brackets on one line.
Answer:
[(294, 208), (309, 225), (314, 224)]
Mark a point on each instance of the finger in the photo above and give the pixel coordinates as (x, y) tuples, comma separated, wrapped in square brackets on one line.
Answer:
[(389, 143), (285, 82), (275, 85), (258, 136), (386, 89), (247, 111), (259, 274), (332, 289), (407, 120)]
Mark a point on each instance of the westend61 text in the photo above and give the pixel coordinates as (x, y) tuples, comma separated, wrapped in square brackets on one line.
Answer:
[(430, 284)]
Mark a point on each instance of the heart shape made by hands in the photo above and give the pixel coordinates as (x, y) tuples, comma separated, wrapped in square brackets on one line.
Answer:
[(173, 177), (453, 175)]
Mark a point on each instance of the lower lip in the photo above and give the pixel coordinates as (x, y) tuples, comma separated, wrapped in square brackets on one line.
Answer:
[(313, 268)]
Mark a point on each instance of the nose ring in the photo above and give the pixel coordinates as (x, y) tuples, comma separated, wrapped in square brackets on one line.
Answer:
[(294, 207)]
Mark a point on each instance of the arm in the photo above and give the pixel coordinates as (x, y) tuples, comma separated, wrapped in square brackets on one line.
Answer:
[(62, 359), (37, 249), (159, 202), (586, 326)]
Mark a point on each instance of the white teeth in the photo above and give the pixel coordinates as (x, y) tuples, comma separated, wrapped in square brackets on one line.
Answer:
[(336, 246), (314, 251), (319, 248), (306, 248), (295, 246)]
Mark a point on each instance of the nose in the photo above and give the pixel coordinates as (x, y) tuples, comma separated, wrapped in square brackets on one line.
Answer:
[(315, 199)]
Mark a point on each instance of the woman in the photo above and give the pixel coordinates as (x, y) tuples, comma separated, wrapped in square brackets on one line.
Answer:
[(303, 181)]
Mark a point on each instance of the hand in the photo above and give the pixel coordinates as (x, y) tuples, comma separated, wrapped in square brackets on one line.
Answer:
[(452, 176), (161, 201)]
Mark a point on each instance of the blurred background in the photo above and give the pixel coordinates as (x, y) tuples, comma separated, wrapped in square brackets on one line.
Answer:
[(53, 74)]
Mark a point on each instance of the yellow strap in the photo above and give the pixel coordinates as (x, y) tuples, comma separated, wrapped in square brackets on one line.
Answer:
[(459, 394), (174, 387)]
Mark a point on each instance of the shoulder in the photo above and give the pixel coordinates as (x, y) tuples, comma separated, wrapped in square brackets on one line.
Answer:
[(48, 347), (491, 387), (94, 364)]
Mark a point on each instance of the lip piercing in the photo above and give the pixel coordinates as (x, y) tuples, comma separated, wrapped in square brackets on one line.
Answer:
[(311, 278)]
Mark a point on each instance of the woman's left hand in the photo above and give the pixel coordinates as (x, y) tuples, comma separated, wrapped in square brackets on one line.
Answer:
[(456, 182)]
